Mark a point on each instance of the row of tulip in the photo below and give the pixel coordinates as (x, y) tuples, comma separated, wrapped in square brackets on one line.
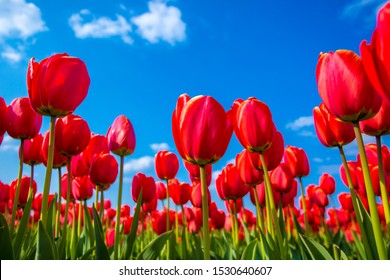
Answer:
[(355, 100)]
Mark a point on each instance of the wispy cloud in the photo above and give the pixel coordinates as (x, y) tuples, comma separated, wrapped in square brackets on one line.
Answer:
[(19, 21), (300, 123), (141, 164), (352, 148), (332, 169), (161, 23), (365, 10), (159, 146), (9, 144), (85, 25)]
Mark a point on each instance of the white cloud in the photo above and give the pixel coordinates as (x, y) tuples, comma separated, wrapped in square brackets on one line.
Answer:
[(11, 54), (332, 169), (307, 133), (365, 10), (102, 27), (159, 146), (300, 123), (318, 160), (161, 23), (9, 144), (139, 164)]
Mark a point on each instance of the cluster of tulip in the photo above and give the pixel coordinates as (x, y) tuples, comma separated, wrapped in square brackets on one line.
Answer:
[(61, 225)]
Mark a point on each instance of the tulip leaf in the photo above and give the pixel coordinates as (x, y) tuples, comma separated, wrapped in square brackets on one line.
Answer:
[(45, 249), (88, 226), (130, 240), (250, 251), (153, 249), (101, 248), (315, 249), (18, 242), (6, 252)]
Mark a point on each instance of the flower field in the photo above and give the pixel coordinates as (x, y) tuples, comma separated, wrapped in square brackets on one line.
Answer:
[(291, 221)]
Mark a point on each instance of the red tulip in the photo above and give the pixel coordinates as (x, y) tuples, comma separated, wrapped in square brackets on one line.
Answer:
[(57, 85), (121, 136), (274, 154), (125, 210), (4, 192), (64, 187), (201, 129), (218, 219), (161, 191), (247, 163), (103, 170), (344, 86), (37, 202), (196, 195), (327, 183), (331, 131), (166, 165), (352, 167), (180, 193), (297, 160), (72, 135), (82, 188), (281, 178), (159, 221), (22, 121), (375, 56), (288, 198), (318, 196), (97, 144), (144, 183), (78, 166), (194, 172), (346, 201), (253, 124), (150, 206), (229, 183), (260, 195), (58, 159), (379, 124), (32, 150), (3, 117), (110, 237), (24, 189), (231, 204)]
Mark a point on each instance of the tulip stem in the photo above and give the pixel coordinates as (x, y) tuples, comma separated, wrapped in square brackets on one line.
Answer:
[(17, 192), (382, 183), (355, 205), (57, 227), (258, 210), (118, 209), (235, 223), (168, 220), (101, 208), (49, 167), (205, 213), (370, 194), (79, 218), (304, 206)]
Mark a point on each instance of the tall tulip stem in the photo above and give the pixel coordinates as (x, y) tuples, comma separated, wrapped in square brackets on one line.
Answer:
[(49, 167), (370, 194), (16, 198), (118, 209), (304, 206), (168, 221), (58, 218), (205, 214), (382, 183), (258, 210), (68, 188)]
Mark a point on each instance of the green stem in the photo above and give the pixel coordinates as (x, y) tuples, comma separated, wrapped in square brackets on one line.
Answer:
[(74, 233), (80, 218), (96, 196), (370, 194), (58, 218), (68, 189), (205, 213), (382, 183), (101, 209), (49, 167), (235, 222), (168, 220), (306, 219), (258, 210), (356, 208), (17, 192), (118, 209)]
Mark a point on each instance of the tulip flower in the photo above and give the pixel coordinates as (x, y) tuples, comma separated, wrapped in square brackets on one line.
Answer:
[(103, 171), (327, 183), (379, 124), (32, 150), (161, 191), (144, 183), (218, 219), (24, 190), (375, 55), (166, 165), (274, 154), (3, 117), (196, 196), (82, 188), (58, 160), (346, 201), (64, 187), (97, 144), (246, 163), (79, 166), (229, 183), (180, 193), (282, 179), (194, 172)]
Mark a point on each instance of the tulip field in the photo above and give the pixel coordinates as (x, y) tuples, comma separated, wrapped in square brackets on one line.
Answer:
[(293, 219)]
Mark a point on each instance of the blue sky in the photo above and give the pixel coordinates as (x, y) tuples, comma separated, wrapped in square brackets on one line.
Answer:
[(141, 55)]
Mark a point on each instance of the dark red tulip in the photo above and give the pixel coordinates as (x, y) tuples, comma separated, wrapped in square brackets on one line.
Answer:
[(180, 193), (22, 121), (97, 144), (352, 167), (78, 166), (161, 191), (4, 193), (231, 204), (125, 210), (260, 195), (3, 116), (82, 188), (229, 183), (253, 124), (159, 221), (144, 183), (57, 85), (281, 178), (318, 196), (72, 135), (246, 163), (166, 165), (218, 219), (375, 56), (201, 129), (104, 170), (121, 136), (288, 198), (150, 206), (379, 124), (346, 201), (327, 183), (274, 154), (345, 88), (331, 131), (64, 187), (194, 172), (196, 195), (110, 237), (297, 160), (37, 202), (24, 189), (58, 159), (32, 150)]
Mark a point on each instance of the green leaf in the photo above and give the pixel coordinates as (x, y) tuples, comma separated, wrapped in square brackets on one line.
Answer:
[(101, 248), (250, 251), (6, 252), (88, 226), (130, 240), (315, 249), (154, 248), (45, 249), (22, 227)]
